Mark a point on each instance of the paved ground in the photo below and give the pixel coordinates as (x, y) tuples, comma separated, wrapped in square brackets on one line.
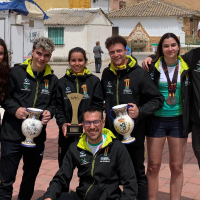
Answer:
[(191, 188)]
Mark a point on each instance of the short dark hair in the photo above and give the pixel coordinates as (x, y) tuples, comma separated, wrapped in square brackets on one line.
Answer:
[(78, 50), (92, 109), (114, 40), (159, 51)]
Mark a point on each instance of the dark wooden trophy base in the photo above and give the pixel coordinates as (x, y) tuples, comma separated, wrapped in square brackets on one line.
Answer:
[(74, 130)]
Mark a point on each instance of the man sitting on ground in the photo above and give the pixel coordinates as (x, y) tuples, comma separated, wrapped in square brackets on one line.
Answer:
[(103, 164)]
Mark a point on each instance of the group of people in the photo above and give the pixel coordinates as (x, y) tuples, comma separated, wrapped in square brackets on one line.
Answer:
[(162, 98)]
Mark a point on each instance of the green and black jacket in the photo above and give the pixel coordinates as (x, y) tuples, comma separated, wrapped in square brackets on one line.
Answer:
[(27, 91), (185, 91), (141, 91), (71, 83), (99, 175)]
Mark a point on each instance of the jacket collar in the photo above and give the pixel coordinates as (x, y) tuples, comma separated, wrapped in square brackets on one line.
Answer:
[(85, 72), (82, 143), (48, 69), (131, 63), (184, 65)]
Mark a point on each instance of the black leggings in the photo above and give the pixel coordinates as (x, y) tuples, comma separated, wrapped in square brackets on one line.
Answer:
[(65, 196)]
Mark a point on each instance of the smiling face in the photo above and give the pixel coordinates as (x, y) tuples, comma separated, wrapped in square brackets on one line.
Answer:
[(1, 53), (117, 54), (170, 48), (93, 132), (40, 58), (77, 62)]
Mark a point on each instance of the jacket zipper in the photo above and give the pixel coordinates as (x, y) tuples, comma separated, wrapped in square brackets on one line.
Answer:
[(36, 94), (92, 173), (77, 85), (117, 92)]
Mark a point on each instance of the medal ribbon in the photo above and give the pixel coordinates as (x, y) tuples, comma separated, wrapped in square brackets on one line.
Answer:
[(171, 84)]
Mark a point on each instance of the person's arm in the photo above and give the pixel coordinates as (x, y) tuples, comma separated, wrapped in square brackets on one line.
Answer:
[(60, 115), (147, 62), (62, 178), (10, 104), (150, 93), (126, 173), (100, 50), (97, 98)]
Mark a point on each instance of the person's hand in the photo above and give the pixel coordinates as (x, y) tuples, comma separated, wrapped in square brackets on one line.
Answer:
[(64, 129), (133, 111), (145, 63), (48, 199), (46, 116), (21, 113)]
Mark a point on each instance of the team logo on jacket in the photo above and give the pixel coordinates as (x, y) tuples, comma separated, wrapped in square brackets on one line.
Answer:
[(84, 162), (198, 67), (127, 90), (109, 88), (67, 91), (46, 87), (105, 158), (86, 96), (82, 154), (26, 85), (187, 80)]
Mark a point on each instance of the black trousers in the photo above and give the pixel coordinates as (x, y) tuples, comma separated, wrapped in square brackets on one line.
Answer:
[(11, 153), (196, 142), (137, 156), (97, 64), (63, 149), (65, 196)]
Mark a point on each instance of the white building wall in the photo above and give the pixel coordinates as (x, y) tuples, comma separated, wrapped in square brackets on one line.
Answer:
[(31, 33), (103, 4), (153, 26), (98, 33), (74, 36)]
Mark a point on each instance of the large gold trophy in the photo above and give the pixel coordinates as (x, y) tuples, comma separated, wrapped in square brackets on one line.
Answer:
[(75, 129)]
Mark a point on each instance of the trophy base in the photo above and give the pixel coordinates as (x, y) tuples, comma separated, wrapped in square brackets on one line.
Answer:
[(28, 144), (74, 130), (128, 140)]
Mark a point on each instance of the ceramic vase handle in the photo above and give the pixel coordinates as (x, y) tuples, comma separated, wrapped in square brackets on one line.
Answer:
[(110, 113), (128, 108)]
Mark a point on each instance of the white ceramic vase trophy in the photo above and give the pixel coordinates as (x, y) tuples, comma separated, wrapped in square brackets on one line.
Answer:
[(31, 127), (123, 123)]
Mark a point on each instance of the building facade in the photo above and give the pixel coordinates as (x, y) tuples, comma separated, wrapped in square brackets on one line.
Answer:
[(143, 24)]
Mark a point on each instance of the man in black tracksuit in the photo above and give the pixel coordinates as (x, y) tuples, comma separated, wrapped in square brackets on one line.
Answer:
[(142, 95), (103, 164), (32, 84)]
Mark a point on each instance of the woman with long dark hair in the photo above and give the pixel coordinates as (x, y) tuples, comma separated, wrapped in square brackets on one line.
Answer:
[(172, 77), (4, 70)]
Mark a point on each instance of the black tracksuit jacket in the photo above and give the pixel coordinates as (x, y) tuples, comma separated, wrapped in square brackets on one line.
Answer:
[(192, 58), (73, 84), (26, 91), (100, 175), (144, 94)]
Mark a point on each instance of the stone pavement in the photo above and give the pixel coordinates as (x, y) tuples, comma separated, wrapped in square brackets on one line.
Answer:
[(191, 188)]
